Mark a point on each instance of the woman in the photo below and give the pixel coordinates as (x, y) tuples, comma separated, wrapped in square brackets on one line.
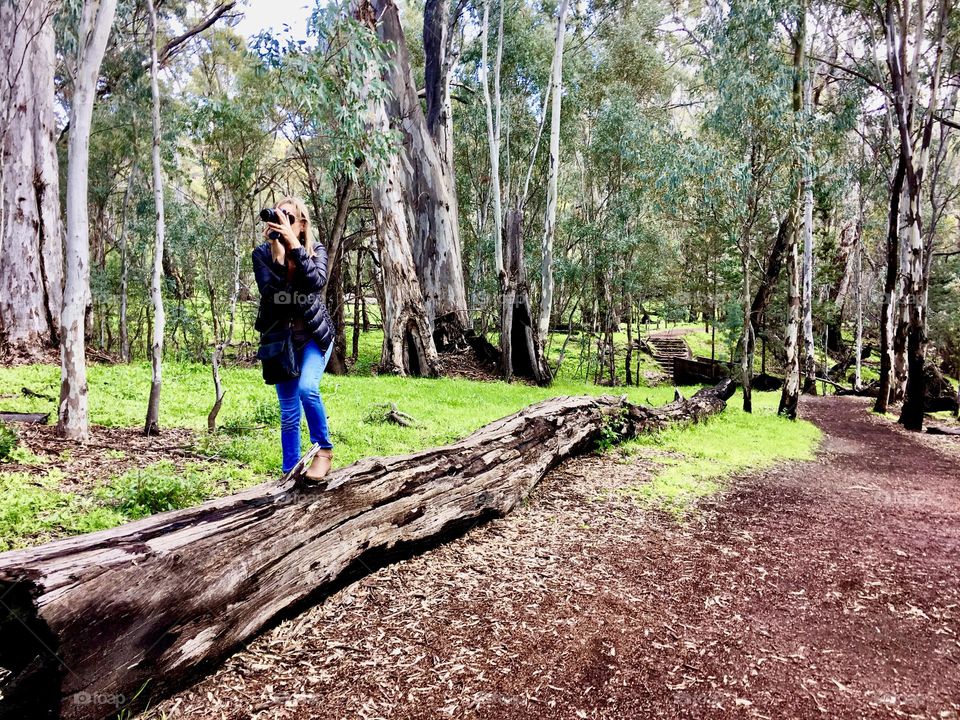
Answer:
[(291, 273)]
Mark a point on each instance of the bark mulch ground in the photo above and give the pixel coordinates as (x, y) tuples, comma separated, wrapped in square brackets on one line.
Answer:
[(108, 452), (820, 589)]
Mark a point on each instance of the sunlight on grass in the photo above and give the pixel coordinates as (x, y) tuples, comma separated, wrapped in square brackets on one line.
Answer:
[(246, 450), (694, 460)]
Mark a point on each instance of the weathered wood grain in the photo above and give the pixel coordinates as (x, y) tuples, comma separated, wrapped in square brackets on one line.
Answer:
[(101, 622)]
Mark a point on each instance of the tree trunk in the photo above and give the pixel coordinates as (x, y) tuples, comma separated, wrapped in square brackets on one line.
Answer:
[(911, 327), (629, 354), (771, 273), (550, 222), (166, 597), (790, 392), (357, 294), (520, 348), (125, 269), (152, 424), (438, 65), (887, 315), (915, 268), (858, 278), (901, 311), (408, 345), (747, 340), (520, 351), (429, 200), (809, 348), (95, 23), (31, 240)]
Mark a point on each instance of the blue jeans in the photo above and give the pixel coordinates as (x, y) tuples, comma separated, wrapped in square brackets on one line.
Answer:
[(304, 390)]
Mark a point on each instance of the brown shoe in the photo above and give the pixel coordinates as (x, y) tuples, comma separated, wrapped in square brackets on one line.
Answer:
[(320, 466)]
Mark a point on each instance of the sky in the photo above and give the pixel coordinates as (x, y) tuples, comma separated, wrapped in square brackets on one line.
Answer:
[(259, 15)]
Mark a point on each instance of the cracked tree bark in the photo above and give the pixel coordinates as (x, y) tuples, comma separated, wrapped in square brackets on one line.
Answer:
[(31, 235), (424, 176)]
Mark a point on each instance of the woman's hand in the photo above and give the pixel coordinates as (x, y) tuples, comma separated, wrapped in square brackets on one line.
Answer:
[(282, 249), (287, 235)]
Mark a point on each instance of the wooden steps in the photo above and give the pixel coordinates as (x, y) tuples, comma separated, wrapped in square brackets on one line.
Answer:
[(665, 349)]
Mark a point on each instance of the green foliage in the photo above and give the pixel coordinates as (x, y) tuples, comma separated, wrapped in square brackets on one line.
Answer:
[(157, 488), (610, 431), (33, 510), (322, 89), (8, 440)]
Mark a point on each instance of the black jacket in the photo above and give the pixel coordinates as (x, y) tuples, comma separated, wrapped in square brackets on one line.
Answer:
[(281, 300)]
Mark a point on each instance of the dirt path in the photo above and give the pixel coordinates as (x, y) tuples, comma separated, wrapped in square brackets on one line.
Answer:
[(825, 589)]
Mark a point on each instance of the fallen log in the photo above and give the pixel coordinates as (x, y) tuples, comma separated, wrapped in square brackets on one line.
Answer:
[(943, 430), (29, 418), (99, 624)]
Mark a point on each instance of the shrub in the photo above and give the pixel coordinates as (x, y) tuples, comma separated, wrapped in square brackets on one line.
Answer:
[(8, 440)]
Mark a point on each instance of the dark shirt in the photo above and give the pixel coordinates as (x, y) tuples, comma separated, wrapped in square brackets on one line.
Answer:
[(297, 298)]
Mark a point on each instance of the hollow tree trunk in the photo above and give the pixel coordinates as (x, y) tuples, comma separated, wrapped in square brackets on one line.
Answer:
[(140, 610), (519, 341), (95, 23), (429, 198), (31, 239)]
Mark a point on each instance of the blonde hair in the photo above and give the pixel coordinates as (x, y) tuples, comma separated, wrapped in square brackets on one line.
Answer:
[(306, 236)]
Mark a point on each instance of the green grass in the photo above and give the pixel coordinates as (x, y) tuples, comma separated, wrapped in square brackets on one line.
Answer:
[(34, 508), (694, 460)]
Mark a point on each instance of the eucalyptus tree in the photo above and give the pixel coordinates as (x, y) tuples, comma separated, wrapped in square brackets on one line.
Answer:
[(31, 263), (521, 350), (790, 392), (408, 342), (428, 189), (152, 423), (914, 155), (550, 222), (95, 22)]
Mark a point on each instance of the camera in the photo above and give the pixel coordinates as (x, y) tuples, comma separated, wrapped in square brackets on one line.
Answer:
[(273, 215)]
